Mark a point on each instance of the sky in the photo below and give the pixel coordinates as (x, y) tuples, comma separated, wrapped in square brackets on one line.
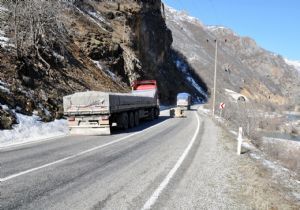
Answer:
[(273, 24)]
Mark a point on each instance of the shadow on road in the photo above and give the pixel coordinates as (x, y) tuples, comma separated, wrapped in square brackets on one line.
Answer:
[(145, 124)]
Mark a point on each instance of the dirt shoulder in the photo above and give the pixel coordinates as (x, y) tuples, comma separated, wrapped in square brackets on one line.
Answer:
[(215, 177), (257, 182)]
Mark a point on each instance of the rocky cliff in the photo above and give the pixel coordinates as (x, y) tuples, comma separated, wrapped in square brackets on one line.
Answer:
[(105, 45)]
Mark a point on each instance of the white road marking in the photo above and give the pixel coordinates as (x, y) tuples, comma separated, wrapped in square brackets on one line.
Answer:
[(151, 201), (32, 142), (76, 155)]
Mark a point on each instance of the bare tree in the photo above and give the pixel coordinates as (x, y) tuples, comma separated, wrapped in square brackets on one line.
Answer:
[(37, 25)]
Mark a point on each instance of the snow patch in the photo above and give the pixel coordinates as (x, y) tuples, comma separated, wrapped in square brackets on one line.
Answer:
[(235, 95), (4, 41), (3, 8), (98, 17), (213, 28), (2, 86), (108, 72), (295, 64), (4, 107), (58, 56), (269, 164), (216, 28), (30, 128), (233, 132), (184, 69), (181, 16), (91, 17), (203, 110)]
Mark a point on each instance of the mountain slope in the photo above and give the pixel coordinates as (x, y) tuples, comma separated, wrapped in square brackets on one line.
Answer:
[(243, 66)]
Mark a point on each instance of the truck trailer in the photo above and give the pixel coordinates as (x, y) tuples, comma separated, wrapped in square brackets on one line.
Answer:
[(95, 112), (184, 100)]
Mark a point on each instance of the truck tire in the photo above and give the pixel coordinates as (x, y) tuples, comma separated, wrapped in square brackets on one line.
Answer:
[(131, 120), (156, 113), (136, 118), (125, 121), (151, 114)]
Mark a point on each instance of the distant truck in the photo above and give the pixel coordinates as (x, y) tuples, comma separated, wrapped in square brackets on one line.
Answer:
[(94, 112), (184, 100)]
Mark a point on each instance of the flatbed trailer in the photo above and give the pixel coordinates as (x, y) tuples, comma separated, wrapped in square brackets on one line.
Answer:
[(94, 112)]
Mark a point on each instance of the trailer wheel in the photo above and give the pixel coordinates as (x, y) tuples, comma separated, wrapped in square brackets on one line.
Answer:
[(131, 120), (156, 113), (151, 114), (125, 120), (136, 118)]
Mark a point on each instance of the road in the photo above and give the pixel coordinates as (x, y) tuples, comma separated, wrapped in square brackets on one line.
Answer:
[(139, 169)]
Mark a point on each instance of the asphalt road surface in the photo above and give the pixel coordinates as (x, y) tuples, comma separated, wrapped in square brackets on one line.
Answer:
[(143, 168)]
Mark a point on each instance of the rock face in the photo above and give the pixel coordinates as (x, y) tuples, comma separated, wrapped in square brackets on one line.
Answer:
[(243, 66), (109, 44)]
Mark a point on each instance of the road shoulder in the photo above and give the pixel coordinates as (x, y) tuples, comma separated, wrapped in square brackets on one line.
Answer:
[(219, 179)]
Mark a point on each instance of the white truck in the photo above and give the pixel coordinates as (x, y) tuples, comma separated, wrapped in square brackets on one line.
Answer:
[(94, 112), (184, 100)]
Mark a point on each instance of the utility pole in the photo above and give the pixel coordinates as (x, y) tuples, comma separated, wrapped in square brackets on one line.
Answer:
[(215, 78)]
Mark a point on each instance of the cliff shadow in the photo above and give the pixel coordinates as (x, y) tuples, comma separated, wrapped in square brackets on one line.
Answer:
[(195, 83)]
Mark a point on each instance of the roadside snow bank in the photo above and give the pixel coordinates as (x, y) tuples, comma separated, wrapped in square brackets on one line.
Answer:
[(30, 128)]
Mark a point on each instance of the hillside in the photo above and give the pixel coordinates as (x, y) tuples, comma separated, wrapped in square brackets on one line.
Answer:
[(243, 66), (90, 45)]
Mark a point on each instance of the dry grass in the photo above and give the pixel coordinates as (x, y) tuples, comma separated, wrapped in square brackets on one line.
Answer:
[(258, 187)]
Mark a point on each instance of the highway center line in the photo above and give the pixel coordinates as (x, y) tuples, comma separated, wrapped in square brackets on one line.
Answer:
[(151, 201), (76, 155)]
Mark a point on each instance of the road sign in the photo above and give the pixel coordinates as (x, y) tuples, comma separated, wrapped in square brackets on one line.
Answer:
[(222, 105)]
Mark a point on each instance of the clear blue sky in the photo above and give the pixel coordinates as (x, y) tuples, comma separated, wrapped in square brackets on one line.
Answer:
[(274, 24)]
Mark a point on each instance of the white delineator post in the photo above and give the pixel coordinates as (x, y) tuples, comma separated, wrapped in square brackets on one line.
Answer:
[(240, 140)]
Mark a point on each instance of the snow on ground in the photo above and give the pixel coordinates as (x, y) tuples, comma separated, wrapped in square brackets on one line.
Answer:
[(3, 9), (4, 41), (2, 86), (235, 95), (295, 64), (275, 167), (58, 56), (203, 110), (30, 128), (98, 17), (108, 72), (91, 17), (213, 28), (4, 107), (182, 16)]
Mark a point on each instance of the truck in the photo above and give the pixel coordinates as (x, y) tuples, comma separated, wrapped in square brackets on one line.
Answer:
[(184, 100), (95, 112)]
